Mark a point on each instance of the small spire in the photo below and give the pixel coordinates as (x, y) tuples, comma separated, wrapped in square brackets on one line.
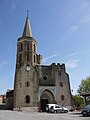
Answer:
[(27, 29)]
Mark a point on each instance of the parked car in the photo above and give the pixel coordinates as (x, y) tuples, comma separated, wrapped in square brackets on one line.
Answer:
[(54, 108), (86, 110), (48, 106)]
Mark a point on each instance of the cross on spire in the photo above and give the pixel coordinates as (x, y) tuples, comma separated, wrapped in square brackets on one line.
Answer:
[(27, 13)]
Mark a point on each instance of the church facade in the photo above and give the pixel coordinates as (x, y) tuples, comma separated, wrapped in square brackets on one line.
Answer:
[(36, 85)]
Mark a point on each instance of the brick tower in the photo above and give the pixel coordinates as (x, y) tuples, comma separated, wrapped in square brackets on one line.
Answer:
[(26, 75)]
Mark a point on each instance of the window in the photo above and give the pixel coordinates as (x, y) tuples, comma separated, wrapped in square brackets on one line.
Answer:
[(62, 97), (27, 99), (34, 48), (21, 47), (45, 77), (61, 84), (57, 106), (27, 84), (27, 47)]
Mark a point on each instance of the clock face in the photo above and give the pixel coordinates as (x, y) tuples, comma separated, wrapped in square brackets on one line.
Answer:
[(27, 68)]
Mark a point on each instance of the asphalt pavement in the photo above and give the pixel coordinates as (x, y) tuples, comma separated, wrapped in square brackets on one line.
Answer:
[(14, 115)]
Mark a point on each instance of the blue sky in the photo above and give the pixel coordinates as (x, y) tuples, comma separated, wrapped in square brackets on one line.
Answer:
[(62, 31)]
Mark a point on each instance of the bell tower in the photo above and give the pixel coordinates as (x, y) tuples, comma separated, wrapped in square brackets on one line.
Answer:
[(26, 48), (26, 76)]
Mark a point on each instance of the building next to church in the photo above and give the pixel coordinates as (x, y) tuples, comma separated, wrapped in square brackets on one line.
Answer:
[(36, 85), (2, 102)]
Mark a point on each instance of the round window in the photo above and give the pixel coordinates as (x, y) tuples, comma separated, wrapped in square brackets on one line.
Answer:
[(45, 77)]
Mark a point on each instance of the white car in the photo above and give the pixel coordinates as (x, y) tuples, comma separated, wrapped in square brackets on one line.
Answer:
[(54, 108), (48, 106)]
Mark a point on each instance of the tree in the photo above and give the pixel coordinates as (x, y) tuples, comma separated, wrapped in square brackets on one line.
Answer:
[(78, 101), (84, 87)]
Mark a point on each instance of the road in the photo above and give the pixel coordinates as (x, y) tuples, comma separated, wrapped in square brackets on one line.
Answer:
[(13, 115)]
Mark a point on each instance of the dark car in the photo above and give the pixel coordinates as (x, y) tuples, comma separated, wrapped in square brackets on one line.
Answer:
[(86, 111)]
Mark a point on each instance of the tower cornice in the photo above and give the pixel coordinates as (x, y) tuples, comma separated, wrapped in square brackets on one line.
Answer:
[(26, 39)]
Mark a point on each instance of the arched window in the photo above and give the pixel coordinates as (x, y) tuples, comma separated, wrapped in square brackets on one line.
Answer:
[(27, 98), (27, 47), (21, 47), (62, 97), (34, 48), (27, 84), (61, 84)]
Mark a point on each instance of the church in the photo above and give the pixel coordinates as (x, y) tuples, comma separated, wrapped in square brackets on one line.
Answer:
[(35, 84)]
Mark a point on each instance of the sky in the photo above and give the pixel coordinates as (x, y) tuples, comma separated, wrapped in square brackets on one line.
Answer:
[(61, 29)]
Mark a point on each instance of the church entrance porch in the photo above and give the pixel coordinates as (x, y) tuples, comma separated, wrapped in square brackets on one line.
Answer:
[(47, 97)]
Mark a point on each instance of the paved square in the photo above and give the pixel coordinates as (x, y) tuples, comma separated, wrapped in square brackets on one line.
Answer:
[(13, 115)]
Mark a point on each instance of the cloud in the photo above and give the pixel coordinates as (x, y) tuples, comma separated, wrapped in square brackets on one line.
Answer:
[(84, 6), (72, 63), (45, 59), (14, 5), (85, 19), (80, 9), (85, 10), (73, 29), (69, 32), (73, 54)]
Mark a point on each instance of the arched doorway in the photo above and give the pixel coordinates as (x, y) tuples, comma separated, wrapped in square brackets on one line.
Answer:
[(46, 98), (27, 98)]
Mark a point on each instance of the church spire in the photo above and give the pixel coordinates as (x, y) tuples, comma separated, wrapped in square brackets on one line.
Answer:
[(27, 29)]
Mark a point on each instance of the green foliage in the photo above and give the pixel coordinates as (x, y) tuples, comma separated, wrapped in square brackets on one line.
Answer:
[(78, 101), (84, 87)]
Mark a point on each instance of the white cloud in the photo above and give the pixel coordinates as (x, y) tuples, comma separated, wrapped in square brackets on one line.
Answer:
[(84, 6), (14, 5), (69, 32), (45, 59), (85, 19), (73, 29), (73, 54), (80, 9), (72, 63)]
